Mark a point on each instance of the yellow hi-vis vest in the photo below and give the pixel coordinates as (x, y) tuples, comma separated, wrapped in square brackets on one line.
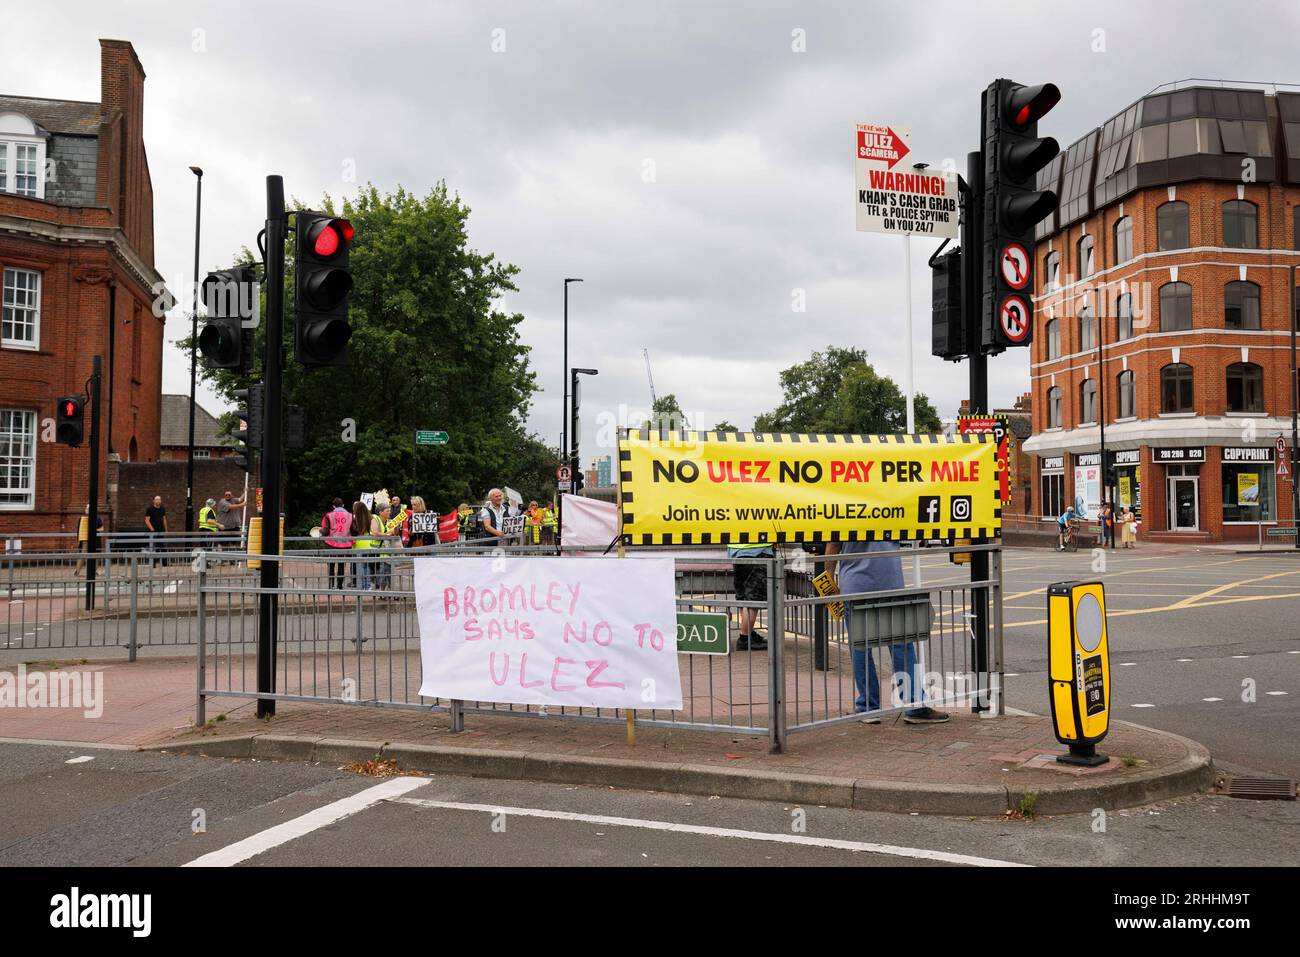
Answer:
[(208, 518)]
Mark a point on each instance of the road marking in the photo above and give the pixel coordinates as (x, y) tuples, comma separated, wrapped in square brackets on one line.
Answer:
[(1127, 664), (1144, 706), (1276, 692), (86, 757), (802, 839), (1241, 656), (311, 821), (1211, 699), (1182, 659)]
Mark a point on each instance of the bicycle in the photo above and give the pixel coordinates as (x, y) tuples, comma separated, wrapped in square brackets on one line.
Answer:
[(1070, 542)]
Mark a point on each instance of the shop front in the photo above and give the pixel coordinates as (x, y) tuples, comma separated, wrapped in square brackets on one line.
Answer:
[(1249, 494), (1182, 474), (1128, 479)]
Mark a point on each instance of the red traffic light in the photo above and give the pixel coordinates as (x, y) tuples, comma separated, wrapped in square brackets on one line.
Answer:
[(329, 236), (69, 409), (1029, 104)]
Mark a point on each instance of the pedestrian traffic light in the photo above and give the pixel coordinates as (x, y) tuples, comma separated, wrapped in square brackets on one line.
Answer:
[(1013, 153), (575, 473), (252, 413), (230, 297), (71, 420), (323, 290)]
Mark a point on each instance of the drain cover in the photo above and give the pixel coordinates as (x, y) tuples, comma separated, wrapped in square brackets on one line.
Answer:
[(1261, 789)]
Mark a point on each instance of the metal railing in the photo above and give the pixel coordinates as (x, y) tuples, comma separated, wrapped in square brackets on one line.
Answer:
[(341, 642)]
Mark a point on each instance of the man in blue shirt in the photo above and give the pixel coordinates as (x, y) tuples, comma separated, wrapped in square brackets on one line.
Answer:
[(881, 574)]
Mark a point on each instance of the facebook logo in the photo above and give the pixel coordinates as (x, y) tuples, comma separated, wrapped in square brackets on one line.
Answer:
[(928, 509)]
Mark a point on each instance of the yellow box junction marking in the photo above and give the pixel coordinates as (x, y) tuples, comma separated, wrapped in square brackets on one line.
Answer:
[(746, 488)]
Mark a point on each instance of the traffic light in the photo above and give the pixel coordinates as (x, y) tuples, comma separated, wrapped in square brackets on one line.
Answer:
[(1013, 153), (948, 331), (252, 411), (575, 425), (323, 290), (295, 427), (71, 420), (575, 470), (230, 297)]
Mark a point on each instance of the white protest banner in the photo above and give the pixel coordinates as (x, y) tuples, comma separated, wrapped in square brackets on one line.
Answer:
[(512, 526), (583, 632)]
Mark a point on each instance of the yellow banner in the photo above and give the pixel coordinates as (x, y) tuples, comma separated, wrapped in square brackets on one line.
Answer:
[(727, 488)]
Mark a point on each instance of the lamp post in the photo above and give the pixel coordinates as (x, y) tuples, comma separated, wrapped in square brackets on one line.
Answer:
[(194, 344), (564, 410), (1295, 429)]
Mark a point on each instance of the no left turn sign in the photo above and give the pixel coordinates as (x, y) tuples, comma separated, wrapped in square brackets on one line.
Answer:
[(1015, 266), (1014, 319)]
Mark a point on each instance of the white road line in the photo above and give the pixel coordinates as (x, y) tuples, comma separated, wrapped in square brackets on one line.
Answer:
[(1127, 664), (672, 826), (311, 821), (1183, 659), (1144, 706), (86, 757), (1276, 692), (1211, 699)]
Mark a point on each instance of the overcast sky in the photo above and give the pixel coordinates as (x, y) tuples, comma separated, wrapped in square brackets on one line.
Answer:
[(691, 161)]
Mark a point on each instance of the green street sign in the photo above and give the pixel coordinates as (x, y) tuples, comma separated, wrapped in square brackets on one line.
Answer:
[(702, 633), (431, 438)]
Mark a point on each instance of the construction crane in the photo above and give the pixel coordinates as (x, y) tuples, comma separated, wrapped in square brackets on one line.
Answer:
[(651, 378)]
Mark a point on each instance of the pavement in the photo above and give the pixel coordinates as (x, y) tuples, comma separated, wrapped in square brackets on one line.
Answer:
[(971, 765)]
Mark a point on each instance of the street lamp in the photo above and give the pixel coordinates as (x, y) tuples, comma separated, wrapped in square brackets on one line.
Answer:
[(564, 402), (194, 342)]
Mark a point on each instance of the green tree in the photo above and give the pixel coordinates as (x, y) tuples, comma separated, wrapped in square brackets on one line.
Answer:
[(839, 391), (725, 426), (666, 414), (429, 351)]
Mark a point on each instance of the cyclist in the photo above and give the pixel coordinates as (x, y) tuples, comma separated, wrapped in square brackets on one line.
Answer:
[(1064, 528)]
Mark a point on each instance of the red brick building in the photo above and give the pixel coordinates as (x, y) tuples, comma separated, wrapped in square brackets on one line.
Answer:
[(77, 265), (1162, 311)]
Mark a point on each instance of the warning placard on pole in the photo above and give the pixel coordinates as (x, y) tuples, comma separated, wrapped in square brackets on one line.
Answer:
[(894, 197), (720, 488)]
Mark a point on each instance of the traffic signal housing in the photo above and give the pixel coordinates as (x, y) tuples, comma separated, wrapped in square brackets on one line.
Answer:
[(252, 412), (230, 297), (948, 330), (323, 290), (70, 422), (1012, 155)]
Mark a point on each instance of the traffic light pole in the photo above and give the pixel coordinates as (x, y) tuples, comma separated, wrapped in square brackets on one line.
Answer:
[(972, 298), (272, 373), (92, 518)]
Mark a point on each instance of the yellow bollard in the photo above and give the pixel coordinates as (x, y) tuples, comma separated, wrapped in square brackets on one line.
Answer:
[(1078, 668), (255, 539)]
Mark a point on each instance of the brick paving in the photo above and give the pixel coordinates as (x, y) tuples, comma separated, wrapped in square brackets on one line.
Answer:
[(152, 701)]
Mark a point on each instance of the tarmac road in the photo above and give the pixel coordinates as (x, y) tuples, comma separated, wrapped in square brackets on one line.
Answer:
[(1184, 627), (137, 808)]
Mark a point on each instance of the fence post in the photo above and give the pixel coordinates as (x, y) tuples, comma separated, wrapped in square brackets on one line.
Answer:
[(132, 638), (200, 659), (457, 715), (776, 726), (819, 638), (999, 664)]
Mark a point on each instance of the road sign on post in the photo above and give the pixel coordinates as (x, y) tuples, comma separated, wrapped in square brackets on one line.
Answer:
[(431, 438), (895, 198), (562, 473)]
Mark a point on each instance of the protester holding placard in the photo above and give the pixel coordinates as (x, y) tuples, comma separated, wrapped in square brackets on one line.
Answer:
[(362, 542), (414, 539)]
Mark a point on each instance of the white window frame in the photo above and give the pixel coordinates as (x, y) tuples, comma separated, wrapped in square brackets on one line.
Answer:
[(30, 490), (34, 344), (17, 130)]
